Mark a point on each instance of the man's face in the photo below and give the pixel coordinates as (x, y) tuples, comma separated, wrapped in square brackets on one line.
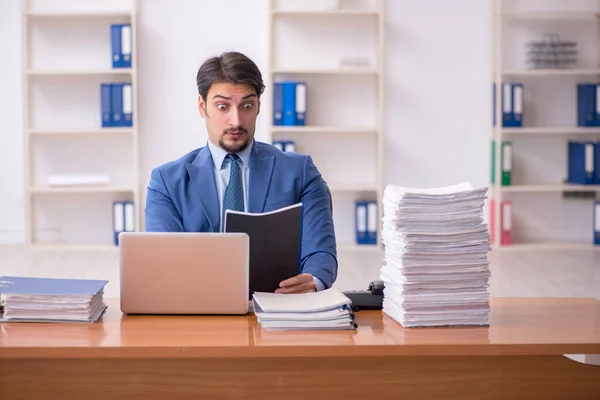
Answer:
[(230, 111)]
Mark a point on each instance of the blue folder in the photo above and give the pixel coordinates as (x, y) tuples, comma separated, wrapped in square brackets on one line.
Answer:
[(587, 105), (106, 104), (289, 103), (50, 286), (360, 222), (115, 44), (278, 104), (581, 162), (596, 222)]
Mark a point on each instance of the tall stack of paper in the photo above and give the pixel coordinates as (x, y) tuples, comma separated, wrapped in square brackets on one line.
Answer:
[(436, 270), (50, 300), (325, 310)]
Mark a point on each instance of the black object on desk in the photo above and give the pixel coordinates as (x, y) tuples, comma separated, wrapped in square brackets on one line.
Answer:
[(371, 299)]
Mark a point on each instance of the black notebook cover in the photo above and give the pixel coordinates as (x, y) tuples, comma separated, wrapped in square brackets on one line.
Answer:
[(275, 244)]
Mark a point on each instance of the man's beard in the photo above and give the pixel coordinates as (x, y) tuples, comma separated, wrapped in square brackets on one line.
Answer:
[(239, 145)]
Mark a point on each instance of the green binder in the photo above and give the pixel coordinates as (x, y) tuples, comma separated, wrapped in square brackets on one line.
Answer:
[(506, 163)]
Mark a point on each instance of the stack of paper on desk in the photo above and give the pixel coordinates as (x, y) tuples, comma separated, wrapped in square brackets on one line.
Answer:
[(50, 300), (325, 310), (436, 268)]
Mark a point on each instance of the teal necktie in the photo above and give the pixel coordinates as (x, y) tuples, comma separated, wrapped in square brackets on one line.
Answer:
[(234, 193)]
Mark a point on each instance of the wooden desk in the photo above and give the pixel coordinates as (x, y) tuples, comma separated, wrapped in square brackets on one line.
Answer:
[(189, 357)]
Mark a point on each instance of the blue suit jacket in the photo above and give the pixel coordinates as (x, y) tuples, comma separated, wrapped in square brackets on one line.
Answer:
[(182, 197)]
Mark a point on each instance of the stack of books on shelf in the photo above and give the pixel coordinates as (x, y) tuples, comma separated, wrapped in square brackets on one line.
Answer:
[(436, 270), (29, 299), (329, 309)]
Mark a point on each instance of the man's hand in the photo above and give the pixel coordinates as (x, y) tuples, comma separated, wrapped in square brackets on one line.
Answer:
[(302, 283)]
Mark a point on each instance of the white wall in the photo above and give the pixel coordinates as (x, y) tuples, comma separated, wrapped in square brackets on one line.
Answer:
[(438, 65), (175, 37)]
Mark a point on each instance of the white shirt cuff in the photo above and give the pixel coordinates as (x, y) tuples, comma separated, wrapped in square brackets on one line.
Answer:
[(319, 283)]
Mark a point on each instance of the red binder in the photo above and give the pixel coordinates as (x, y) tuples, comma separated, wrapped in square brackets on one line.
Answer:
[(506, 222)]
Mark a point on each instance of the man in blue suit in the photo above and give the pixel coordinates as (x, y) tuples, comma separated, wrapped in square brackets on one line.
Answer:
[(236, 172)]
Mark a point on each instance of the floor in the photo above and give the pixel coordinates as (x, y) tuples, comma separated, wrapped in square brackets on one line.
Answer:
[(528, 273)]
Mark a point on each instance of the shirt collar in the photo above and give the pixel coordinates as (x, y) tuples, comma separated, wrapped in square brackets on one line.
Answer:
[(218, 155)]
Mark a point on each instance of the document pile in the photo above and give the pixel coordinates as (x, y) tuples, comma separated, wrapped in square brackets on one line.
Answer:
[(50, 300), (436, 270), (325, 310)]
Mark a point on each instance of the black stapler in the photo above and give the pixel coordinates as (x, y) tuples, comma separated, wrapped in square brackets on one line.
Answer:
[(371, 299)]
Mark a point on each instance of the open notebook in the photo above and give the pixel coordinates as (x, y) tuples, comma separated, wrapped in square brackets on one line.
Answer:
[(325, 310)]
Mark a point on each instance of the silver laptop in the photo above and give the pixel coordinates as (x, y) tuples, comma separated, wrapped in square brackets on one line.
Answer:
[(184, 273)]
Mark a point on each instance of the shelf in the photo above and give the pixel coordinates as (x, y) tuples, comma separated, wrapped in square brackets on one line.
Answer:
[(82, 132), (551, 131), (321, 129), (109, 248), (312, 13), (550, 188), (108, 71), (352, 188), (338, 71), (550, 16), (77, 15), (353, 247), (549, 72), (547, 246), (82, 189)]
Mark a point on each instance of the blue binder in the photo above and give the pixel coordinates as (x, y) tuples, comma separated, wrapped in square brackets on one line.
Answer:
[(118, 220), (125, 45), (106, 104), (289, 103), (129, 219), (512, 104), (301, 96), (279, 144), (289, 146), (506, 101), (597, 163), (360, 222), (517, 105), (115, 44), (117, 104), (371, 222), (587, 105), (581, 162), (127, 103), (597, 222), (278, 104)]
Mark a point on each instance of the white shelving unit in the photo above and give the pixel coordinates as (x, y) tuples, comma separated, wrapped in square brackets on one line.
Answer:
[(550, 120), (345, 104), (66, 55)]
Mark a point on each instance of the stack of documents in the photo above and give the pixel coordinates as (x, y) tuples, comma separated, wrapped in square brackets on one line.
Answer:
[(325, 310), (50, 300), (436, 270)]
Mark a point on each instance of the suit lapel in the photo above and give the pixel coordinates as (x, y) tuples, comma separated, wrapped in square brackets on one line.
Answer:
[(261, 170), (203, 178)]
